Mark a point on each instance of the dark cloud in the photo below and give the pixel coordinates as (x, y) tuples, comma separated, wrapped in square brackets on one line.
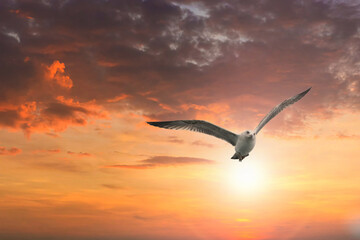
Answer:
[(56, 115), (61, 110), (167, 57), (163, 161), (8, 118)]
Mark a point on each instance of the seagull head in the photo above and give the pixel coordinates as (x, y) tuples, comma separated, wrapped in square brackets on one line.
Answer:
[(249, 134)]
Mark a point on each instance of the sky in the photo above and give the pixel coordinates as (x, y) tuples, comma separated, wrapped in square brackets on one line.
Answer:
[(79, 80)]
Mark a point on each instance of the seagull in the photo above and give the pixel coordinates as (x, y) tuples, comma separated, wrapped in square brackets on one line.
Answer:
[(243, 142)]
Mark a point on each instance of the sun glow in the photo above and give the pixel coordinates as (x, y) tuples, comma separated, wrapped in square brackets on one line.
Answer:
[(246, 177)]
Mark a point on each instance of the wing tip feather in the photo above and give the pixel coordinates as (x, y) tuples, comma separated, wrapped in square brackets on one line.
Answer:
[(302, 94), (155, 124), (307, 90)]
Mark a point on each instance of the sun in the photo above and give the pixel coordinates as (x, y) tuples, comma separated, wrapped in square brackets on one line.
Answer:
[(246, 177)]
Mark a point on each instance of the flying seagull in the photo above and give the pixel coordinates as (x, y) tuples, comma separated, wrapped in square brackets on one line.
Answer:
[(243, 142)]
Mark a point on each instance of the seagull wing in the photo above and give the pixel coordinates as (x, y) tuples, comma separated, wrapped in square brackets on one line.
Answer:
[(276, 110), (199, 126)]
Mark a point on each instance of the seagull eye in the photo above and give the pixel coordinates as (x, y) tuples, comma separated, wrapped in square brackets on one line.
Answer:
[(247, 132)]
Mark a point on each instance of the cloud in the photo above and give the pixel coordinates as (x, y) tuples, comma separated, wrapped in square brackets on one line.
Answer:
[(8, 117), (56, 72), (112, 186), (163, 161), (347, 136), (53, 116), (180, 62), (79, 154), (64, 111), (201, 143), (174, 139), (51, 151), (117, 98), (20, 13), (153, 217), (9, 151), (64, 165), (13, 35)]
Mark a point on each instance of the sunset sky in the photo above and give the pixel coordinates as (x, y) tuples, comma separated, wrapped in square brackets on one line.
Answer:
[(80, 78)]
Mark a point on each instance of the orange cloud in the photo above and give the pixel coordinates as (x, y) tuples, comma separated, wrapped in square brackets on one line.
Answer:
[(9, 151), (162, 105), (54, 116), (56, 72), (117, 98), (13, 116), (59, 115)]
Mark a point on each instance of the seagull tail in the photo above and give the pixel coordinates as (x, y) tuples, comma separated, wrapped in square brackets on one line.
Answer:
[(235, 156)]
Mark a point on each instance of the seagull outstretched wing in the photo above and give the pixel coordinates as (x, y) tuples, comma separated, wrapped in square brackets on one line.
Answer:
[(199, 126), (276, 110)]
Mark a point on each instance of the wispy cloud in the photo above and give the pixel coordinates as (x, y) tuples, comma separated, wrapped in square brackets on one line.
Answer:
[(117, 98), (112, 186), (201, 143), (174, 139), (9, 151), (13, 35), (162, 161), (79, 154), (347, 136), (51, 151)]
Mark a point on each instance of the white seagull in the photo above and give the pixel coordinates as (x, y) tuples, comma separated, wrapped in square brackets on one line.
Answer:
[(243, 142)]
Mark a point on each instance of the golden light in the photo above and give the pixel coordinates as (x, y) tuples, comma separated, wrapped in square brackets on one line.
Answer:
[(246, 177)]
